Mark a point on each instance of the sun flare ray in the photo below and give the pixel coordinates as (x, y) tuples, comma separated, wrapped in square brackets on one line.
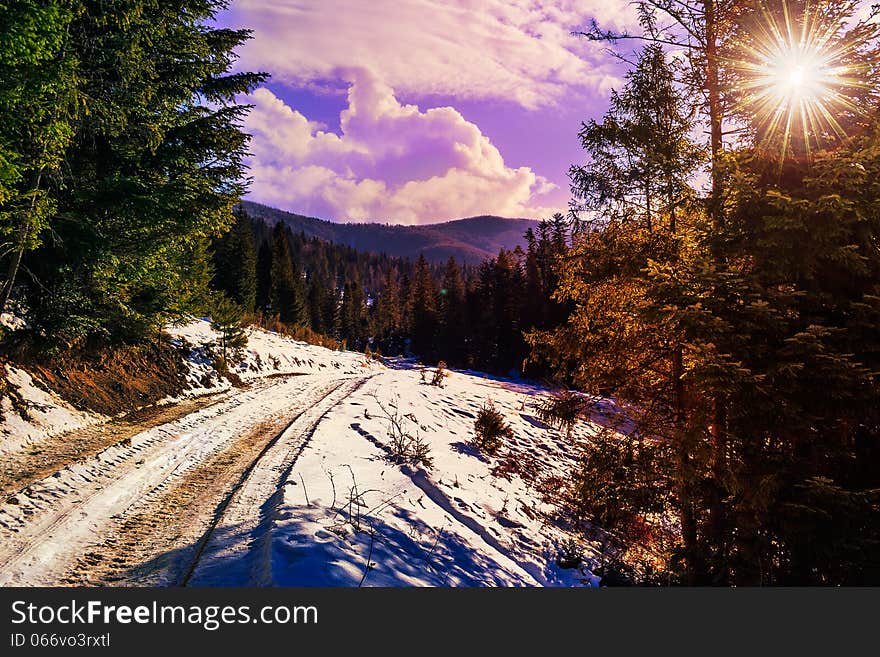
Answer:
[(795, 78)]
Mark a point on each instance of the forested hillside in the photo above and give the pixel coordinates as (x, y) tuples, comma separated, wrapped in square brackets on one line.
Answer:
[(469, 241), (469, 316)]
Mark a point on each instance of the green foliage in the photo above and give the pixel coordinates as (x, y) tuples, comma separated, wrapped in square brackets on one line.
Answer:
[(641, 152), (739, 334), (227, 320), (619, 481), (490, 429), (423, 310), (152, 165), (454, 329), (564, 409), (287, 296), (235, 263), (38, 111)]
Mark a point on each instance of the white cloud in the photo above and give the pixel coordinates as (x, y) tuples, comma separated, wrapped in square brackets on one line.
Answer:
[(515, 50), (389, 162)]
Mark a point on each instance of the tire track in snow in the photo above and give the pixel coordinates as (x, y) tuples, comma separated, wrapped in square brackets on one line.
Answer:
[(236, 548), (45, 529)]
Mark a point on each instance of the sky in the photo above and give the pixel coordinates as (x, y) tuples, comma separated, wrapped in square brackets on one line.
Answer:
[(419, 111)]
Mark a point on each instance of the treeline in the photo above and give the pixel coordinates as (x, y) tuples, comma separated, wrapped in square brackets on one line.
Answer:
[(738, 324), (468, 316), (120, 159)]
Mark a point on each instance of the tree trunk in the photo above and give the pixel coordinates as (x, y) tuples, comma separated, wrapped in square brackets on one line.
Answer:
[(716, 213), (21, 233), (687, 517)]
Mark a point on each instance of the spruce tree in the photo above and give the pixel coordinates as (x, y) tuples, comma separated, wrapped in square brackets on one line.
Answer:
[(282, 293), (263, 276), (299, 310), (389, 314), (38, 115), (620, 340), (235, 262), (423, 311), (154, 165), (226, 319), (317, 304), (453, 326)]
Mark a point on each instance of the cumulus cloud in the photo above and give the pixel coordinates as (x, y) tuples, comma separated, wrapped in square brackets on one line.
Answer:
[(389, 162), (514, 50)]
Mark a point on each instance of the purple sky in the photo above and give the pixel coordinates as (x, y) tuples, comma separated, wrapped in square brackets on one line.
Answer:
[(417, 111)]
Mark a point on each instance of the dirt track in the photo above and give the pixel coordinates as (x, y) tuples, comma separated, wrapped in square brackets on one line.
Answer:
[(160, 505), (54, 453)]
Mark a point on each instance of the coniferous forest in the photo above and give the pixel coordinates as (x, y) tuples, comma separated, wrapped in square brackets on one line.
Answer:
[(717, 274)]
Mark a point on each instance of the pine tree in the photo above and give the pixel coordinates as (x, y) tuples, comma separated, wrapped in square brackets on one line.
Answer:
[(235, 262), (155, 164), (264, 276), (620, 340), (38, 115), (299, 310), (282, 293), (804, 395), (453, 325), (423, 311), (226, 319), (317, 304), (388, 318), (722, 329)]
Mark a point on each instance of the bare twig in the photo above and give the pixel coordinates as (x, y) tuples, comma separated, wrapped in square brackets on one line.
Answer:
[(305, 490)]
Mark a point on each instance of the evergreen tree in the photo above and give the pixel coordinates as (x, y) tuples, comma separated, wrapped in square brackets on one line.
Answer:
[(264, 276), (423, 311), (38, 115), (317, 305), (388, 317), (226, 319), (620, 340), (453, 324), (155, 164), (352, 320), (235, 262), (720, 328), (299, 310), (282, 293)]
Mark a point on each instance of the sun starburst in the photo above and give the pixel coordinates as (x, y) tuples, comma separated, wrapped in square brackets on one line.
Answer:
[(796, 78)]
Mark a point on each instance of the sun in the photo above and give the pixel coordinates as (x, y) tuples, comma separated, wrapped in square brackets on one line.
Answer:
[(793, 79)]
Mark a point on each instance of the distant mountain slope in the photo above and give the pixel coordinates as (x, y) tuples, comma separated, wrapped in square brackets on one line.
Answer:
[(469, 240)]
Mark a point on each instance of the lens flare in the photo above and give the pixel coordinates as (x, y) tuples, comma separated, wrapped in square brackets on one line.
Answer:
[(794, 79)]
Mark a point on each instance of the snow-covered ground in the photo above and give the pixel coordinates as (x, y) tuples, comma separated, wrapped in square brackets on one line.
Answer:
[(48, 414), (349, 516), (267, 354), (324, 503)]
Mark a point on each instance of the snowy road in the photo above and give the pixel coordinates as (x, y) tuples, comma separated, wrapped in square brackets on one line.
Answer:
[(292, 481), (147, 510)]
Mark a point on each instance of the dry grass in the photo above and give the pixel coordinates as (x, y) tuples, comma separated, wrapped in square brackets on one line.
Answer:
[(110, 381), (300, 333)]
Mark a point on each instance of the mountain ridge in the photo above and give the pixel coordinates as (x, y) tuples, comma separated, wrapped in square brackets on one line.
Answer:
[(470, 240)]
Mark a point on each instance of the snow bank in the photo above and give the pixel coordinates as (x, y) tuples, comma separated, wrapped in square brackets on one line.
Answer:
[(47, 414), (267, 354)]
